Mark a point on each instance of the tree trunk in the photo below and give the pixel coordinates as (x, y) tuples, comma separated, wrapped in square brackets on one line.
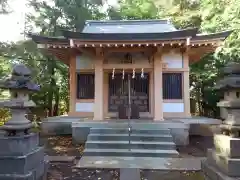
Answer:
[(52, 86), (56, 105)]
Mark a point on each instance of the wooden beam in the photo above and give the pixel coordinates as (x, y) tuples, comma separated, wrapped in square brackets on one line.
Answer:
[(89, 51), (127, 49)]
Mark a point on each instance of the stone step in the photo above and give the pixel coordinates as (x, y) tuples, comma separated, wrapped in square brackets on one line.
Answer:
[(132, 145), (146, 163), (133, 137), (125, 130), (130, 153)]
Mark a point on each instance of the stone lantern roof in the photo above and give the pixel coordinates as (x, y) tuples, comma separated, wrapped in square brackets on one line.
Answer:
[(231, 79), (19, 79)]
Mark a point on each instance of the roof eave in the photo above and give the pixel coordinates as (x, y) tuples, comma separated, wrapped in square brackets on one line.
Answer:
[(45, 39), (130, 36), (220, 36)]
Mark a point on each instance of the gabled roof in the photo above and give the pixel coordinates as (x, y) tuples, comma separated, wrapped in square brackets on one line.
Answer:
[(131, 30), (178, 34), (128, 26), (130, 33)]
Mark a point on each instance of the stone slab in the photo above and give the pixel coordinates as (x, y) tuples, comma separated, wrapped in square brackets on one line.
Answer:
[(127, 174), (21, 164), (60, 158), (180, 136), (58, 125), (212, 173), (136, 124), (227, 165), (131, 152), (18, 145), (80, 135), (227, 146), (132, 137), (125, 130), (28, 176), (182, 164), (198, 120), (206, 130), (131, 145)]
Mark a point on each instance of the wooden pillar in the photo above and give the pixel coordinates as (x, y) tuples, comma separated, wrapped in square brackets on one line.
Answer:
[(99, 85), (186, 85), (157, 78), (72, 85), (151, 90)]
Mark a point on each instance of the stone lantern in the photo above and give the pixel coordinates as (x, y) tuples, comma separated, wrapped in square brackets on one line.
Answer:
[(20, 155), (19, 85), (223, 162)]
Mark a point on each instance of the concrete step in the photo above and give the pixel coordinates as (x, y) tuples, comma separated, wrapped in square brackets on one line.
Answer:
[(132, 145), (130, 153), (125, 131), (133, 137), (146, 163)]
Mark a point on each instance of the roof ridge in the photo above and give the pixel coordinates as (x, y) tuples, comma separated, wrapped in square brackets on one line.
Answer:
[(127, 22)]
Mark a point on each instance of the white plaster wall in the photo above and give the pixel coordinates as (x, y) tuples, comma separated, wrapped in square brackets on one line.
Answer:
[(173, 59), (84, 107), (84, 62), (173, 107)]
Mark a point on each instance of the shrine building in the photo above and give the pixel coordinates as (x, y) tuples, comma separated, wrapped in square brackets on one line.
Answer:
[(133, 69)]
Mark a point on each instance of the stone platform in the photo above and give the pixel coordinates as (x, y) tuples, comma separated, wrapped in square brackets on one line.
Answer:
[(180, 128)]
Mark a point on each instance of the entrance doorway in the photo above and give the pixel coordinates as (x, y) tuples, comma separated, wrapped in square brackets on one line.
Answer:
[(128, 92)]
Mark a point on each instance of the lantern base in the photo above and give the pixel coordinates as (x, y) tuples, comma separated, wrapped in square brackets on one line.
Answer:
[(21, 158)]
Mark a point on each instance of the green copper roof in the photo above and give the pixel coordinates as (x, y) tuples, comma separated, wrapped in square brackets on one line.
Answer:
[(128, 26)]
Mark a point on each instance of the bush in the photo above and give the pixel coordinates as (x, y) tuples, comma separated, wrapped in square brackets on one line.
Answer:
[(4, 115)]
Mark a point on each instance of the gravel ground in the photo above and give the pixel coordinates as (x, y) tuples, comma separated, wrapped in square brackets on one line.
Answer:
[(66, 171), (62, 146)]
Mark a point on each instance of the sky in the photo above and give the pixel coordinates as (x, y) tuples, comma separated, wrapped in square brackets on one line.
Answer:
[(12, 25)]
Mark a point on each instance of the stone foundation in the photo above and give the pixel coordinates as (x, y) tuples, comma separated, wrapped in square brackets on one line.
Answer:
[(212, 173), (223, 162)]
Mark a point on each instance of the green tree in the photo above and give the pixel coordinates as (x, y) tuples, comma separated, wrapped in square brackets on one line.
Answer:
[(134, 9), (4, 7), (51, 17)]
